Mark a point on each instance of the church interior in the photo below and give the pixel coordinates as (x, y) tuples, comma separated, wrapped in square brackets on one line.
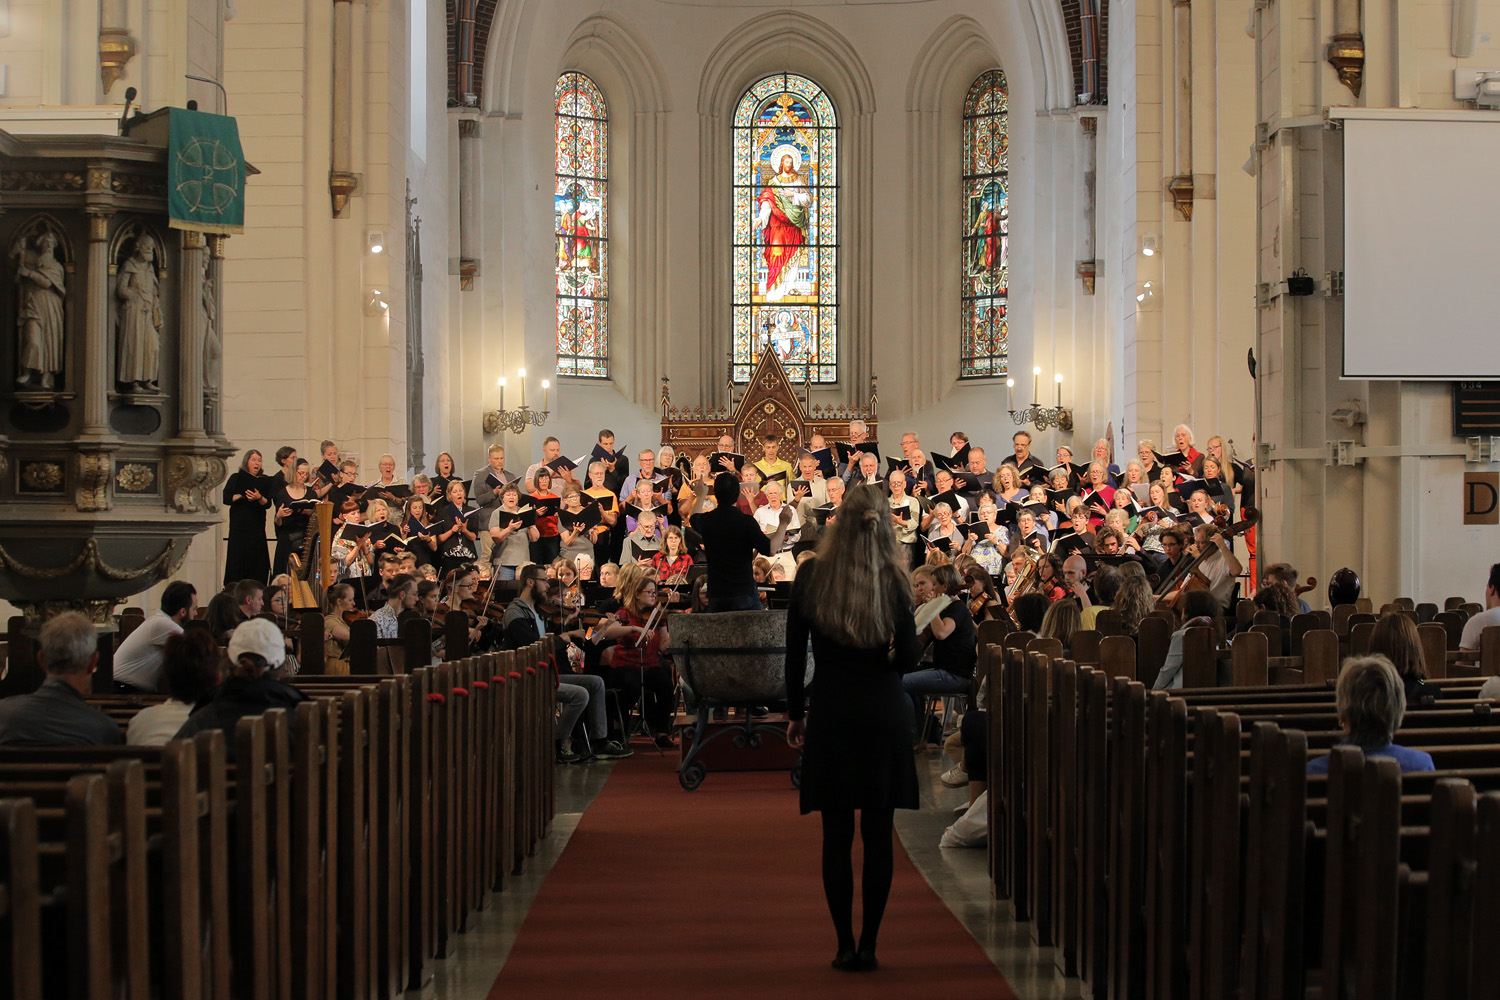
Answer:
[(1215, 474)]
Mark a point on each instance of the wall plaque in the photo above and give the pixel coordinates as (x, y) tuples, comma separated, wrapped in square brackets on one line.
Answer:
[(1482, 498)]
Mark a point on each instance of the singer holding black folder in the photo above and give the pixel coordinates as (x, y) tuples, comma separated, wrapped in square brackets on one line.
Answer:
[(456, 536), (294, 504), (246, 493)]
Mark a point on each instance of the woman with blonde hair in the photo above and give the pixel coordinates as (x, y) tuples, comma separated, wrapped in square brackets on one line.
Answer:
[(1063, 618), (854, 603)]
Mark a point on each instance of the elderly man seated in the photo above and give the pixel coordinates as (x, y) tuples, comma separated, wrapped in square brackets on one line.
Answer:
[(56, 713)]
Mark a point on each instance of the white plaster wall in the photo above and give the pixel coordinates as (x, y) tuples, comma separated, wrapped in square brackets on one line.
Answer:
[(1396, 516)]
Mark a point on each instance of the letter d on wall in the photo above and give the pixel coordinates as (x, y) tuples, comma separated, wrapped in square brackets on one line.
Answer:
[(1482, 498)]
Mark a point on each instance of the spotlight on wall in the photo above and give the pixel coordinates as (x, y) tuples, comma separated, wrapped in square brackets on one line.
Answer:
[(1148, 245), (1146, 294), (375, 302), (377, 241)]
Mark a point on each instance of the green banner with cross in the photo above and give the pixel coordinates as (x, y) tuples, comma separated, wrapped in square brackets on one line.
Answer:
[(205, 173)]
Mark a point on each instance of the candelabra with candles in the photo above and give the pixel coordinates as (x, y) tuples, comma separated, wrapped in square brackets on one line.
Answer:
[(1039, 416), (523, 417)]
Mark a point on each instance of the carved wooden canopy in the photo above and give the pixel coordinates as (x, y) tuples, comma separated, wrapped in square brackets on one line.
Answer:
[(770, 404)]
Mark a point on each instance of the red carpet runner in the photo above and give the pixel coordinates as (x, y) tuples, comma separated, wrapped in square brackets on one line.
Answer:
[(717, 893)]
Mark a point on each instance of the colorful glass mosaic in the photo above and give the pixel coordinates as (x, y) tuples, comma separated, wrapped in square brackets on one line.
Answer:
[(986, 229), (785, 258), (581, 221)]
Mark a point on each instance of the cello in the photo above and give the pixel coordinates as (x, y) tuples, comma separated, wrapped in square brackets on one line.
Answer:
[(1187, 576)]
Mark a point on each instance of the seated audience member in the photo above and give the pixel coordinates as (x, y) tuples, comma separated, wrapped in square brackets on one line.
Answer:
[(1134, 601), (223, 616), (189, 671), (1284, 573), (56, 713), (1060, 622), (954, 650), (1199, 607), (249, 598), (1029, 610), (1278, 597), (1476, 625), (256, 650), (138, 660), (1107, 583), (1396, 638), (1371, 703)]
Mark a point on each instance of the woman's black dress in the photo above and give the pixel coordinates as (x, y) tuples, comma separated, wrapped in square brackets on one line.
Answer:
[(247, 558), (858, 752), (291, 532)]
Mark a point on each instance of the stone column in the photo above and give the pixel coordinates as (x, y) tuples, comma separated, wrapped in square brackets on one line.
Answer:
[(98, 328), (191, 333), (469, 194), (213, 408)]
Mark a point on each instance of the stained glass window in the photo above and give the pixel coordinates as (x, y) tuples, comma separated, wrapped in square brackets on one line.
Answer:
[(581, 216), (786, 229), (986, 251)]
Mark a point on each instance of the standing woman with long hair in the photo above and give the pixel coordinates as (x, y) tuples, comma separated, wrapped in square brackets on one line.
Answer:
[(854, 601), (248, 495)]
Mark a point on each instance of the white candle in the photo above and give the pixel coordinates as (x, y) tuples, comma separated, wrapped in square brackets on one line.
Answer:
[(502, 392), (1059, 388), (521, 373), (1010, 394), (546, 384), (1036, 384)]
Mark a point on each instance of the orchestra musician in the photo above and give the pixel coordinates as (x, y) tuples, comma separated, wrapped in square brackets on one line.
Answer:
[(641, 637)]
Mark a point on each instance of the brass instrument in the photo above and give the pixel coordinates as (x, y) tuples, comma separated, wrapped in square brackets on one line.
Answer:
[(1027, 582)]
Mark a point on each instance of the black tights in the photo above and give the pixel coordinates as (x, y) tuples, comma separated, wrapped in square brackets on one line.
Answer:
[(838, 872)]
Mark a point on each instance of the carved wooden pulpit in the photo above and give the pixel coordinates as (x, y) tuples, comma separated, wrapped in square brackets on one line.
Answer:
[(770, 404)]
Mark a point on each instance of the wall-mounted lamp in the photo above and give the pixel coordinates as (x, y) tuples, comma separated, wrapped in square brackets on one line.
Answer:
[(1148, 245), (1040, 416), (1146, 293), (377, 241), (522, 417), (375, 303)]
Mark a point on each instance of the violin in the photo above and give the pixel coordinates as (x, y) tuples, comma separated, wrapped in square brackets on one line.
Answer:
[(354, 615)]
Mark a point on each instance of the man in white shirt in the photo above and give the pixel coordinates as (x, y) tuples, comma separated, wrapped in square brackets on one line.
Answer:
[(138, 660), (402, 591), (1221, 568), (771, 519), (1475, 626)]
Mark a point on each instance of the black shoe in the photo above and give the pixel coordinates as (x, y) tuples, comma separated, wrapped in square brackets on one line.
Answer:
[(566, 756), (611, 750), (665, 742), (865, 961), (846, 961)]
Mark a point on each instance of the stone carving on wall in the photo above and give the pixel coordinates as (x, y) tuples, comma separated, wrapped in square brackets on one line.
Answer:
[(41, 180), (139, 318), (213, 346), (41, 290), (91, 489), (190, 480), (41, 477)]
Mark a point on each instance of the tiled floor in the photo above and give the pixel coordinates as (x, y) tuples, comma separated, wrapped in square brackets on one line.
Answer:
[(958, 876)]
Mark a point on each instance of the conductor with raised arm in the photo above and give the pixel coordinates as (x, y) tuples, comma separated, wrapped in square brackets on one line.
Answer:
[(731, 541)]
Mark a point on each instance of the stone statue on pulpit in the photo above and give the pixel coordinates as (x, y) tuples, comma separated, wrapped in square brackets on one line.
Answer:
[(40, 290), (140, 317)]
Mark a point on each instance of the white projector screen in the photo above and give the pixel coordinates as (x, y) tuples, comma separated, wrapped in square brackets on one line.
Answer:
[(1421, 249)]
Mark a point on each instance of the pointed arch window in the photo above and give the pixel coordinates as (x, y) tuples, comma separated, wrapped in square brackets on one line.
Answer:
[(581, 228), (984, 342), (785, 277)]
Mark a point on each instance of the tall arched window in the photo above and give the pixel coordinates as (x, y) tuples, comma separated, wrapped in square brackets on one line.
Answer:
[(581, 213), (986, 254), (786, 228)]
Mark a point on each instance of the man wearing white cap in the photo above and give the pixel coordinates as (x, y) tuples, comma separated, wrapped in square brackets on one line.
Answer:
[(256, 651)]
